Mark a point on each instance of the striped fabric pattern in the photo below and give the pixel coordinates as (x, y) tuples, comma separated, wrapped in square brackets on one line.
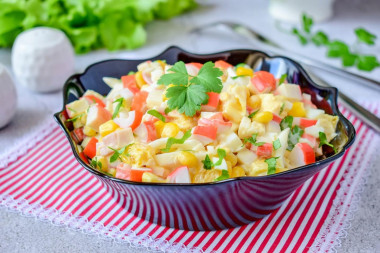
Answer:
[(49, 183)]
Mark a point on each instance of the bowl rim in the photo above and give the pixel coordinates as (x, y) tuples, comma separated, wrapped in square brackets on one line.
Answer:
[(351, 133)]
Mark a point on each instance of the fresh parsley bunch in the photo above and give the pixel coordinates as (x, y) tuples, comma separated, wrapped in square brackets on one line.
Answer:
[(186, 92), (349, 56)]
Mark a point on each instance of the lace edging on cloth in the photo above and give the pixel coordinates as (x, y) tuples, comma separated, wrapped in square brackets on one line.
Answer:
[(94, 228), (339, 220)]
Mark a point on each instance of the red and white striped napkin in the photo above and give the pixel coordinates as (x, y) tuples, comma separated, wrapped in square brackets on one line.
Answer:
[(45, 181)]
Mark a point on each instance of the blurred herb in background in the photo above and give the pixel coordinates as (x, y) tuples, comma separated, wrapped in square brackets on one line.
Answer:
[(89, 24), (350, 56)]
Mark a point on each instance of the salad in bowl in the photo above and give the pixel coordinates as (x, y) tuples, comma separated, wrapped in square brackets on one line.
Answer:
[(197, 122)]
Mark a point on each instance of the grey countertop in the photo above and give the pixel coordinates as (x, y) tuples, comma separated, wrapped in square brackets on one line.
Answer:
[(21, 234)]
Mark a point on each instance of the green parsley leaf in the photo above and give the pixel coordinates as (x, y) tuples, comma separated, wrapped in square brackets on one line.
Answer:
[(173, 140), (294, 136), (208, 78), (187, 99), (178, 77), (282, 108), (253, 141), (157, 114), (167, 110), (337, 48), (252, 114), (286, 122), (282, 79), (119, 102), (271, 165), (236, 77), (118, 152), (323, 141), (225, 175), (207, 164), (301, 38), (307, 23), (94, 162), (131, 73), (367, 62), (349, 59), (76, 117), (320, 38), (365, 36), (276, 144), (221, 154)]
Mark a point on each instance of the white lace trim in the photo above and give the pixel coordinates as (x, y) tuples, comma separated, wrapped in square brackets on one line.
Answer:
[(344, 207), (81, 224), (27, 142)]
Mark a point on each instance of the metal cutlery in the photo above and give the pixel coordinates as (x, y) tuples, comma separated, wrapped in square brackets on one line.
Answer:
[(369, 118)]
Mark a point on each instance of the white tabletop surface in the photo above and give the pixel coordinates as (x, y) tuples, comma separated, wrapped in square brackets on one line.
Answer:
[(20, 234)]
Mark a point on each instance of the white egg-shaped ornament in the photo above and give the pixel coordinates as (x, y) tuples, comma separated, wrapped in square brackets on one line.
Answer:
[(8, 97), (42, 59)]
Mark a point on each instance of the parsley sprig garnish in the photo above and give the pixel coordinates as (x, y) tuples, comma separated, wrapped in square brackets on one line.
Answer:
[(173, 140), (323, 141), (350, 56), (253, 114), (119, 102), (271, 165), (118, 152), (187, 93), (295, 132), (76, 117), (157, 114), (208, 164), (253, 141), (95, 163), (225, 175), (282, 79)]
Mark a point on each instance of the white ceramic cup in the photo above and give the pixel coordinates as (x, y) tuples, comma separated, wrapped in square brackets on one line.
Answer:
[(292, 10), (42, 59), (8, 97)]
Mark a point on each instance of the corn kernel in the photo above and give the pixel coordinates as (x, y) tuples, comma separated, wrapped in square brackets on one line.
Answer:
[(263, 117), (107, 128), (139, 79), (237, 171), (159, 125), (207, 176), (89, 131), (170, 130), (188, 159), (231, 158), (241, 71), (103, 161), (297, 110), (149, 177), (254, 102)]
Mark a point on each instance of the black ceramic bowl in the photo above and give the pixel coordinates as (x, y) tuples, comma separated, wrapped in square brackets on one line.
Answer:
[(217, 205)]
